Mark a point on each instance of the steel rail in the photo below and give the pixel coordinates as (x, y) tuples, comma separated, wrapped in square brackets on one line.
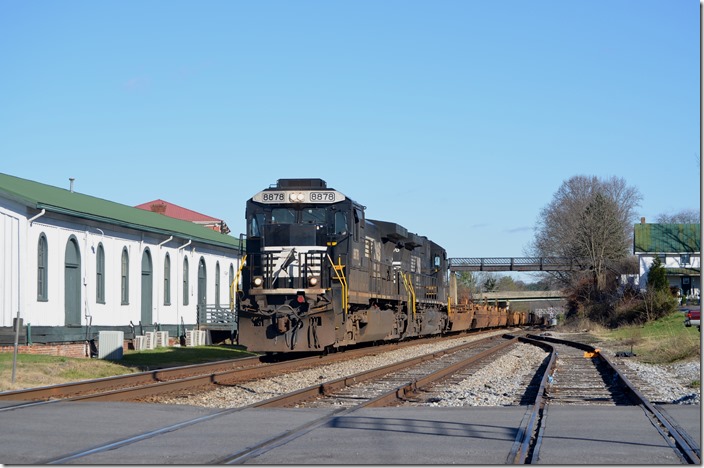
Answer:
[(251, 452), (141, 378), (239, 375), (405, 391), (398, 393), (328, 388), (126, 387), (528, 437), (130, 386)]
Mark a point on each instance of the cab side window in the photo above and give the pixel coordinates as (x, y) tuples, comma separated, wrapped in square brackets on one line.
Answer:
[(340, 222), (357, 221)]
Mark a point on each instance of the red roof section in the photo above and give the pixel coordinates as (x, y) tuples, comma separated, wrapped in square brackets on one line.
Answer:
[(175, 211)]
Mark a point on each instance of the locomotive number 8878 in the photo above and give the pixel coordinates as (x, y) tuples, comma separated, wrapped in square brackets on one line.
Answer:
[(318, 275)]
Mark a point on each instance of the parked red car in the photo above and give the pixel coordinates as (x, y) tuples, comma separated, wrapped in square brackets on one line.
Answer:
[(692, 318)]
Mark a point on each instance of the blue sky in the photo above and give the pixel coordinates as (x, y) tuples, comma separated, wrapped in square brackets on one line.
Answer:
[(457, 119)]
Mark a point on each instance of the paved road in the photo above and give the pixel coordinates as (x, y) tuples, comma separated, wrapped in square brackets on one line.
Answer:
[(410, 436)]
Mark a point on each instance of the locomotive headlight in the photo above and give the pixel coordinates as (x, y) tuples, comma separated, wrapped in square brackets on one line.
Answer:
[(296, 197), (258, 281), (312, 281)]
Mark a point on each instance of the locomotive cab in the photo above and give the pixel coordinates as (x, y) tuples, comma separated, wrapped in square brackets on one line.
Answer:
[(295, 231)]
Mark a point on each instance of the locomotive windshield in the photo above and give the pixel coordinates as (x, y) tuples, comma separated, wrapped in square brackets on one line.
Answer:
[(282, 235), (296, 225), (313, 216)]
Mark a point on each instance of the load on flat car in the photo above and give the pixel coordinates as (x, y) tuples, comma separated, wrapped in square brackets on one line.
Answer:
[(318, 275)]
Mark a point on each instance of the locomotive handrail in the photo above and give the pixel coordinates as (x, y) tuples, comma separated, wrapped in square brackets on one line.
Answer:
[(236, 281), (341, 278), (411, 293)]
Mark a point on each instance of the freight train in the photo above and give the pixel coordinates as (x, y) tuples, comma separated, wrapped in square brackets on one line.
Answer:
[(318, 275)]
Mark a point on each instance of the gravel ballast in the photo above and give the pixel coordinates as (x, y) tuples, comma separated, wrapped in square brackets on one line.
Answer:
[(493, 385)]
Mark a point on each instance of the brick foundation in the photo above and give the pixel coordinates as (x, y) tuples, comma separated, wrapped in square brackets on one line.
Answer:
[(74, 350)]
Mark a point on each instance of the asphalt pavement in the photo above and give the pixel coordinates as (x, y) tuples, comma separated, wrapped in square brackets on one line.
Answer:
[(407, 436)]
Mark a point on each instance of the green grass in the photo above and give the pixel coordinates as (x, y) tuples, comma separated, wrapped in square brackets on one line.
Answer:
[(33, 370), (663, 341), (171, 357)]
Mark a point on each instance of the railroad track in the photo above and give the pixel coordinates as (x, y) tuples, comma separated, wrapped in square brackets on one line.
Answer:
[(110, 388), (390, 386), (579, 374), (553, 386), (581, 377), (402, 380), (151, 385)]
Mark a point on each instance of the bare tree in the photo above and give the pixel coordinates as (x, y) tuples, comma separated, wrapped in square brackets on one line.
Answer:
[(588, 218), (683, 217), (601, 236)]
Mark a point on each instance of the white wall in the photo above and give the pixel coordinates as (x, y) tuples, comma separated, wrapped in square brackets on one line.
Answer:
[(671, 261), (18, 271), (10, 292)]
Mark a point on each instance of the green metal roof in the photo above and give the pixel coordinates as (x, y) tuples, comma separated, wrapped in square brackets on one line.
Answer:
[(58, 200), (682, 271), (666, 238)]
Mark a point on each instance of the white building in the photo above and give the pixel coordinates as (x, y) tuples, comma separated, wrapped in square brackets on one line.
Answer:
[(678, 246), (72, 265)]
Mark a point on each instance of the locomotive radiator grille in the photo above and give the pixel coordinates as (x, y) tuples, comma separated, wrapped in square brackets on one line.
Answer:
[(290, 267)]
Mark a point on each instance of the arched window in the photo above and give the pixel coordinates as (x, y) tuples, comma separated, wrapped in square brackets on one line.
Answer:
[(167, 280), (72, 282), (100, 275), (185, 281), (125, 278), (147, 287), (217, 284), (42, 269), (201, 298)]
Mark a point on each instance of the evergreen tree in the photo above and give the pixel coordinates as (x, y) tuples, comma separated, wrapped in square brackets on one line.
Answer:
[(657, 278)]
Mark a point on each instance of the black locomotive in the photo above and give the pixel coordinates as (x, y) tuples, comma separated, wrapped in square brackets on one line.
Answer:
[(318, 275)]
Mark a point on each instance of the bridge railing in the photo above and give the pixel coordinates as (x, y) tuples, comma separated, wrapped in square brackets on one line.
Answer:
[(518, 264)]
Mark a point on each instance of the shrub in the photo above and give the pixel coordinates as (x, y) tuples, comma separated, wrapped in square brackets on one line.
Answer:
[(656, 304)]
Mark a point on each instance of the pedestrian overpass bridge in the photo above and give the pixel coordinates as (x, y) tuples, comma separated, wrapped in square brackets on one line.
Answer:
[(520, 296), (519, 264)]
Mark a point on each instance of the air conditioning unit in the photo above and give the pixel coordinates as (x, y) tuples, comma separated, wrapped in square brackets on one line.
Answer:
[(195, 337), (162, 339), (139, 342), (110, 344), (191, 338), (149, 340)]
